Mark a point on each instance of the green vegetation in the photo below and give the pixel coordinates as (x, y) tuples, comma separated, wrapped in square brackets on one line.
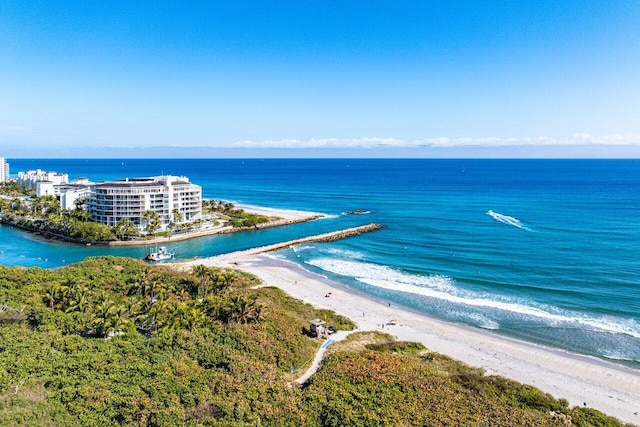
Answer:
[(19, 207), (13, 189), (372, 380), (44, 214), (114, 341), (236, 217), (152, 221)]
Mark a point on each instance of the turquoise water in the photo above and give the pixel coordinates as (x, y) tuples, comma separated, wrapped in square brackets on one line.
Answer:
[(543, 250)]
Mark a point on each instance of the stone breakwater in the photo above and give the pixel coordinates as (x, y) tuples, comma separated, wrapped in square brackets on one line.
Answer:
[(326, 237)]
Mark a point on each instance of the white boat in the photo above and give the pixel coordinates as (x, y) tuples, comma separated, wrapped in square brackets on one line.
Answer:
[(162, 254)]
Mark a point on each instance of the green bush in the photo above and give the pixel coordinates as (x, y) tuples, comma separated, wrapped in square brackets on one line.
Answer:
[(114, 341)]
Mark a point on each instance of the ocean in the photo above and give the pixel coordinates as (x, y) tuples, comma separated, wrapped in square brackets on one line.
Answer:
[(546, 251)]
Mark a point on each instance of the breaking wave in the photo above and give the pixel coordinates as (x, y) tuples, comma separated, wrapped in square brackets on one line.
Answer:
[(444, 289)]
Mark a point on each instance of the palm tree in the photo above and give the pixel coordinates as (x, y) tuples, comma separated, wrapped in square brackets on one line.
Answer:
[(79, 299), (79, 203), (193, 317), (18, 206), (224, 280), (243, 310), (81, 215), (204, 274), (124, 229), (152, 220), (177, 216), (109, 317), (51, 294), (51, 205)]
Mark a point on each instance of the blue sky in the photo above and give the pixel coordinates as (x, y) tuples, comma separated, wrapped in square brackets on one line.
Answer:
[(320, 78)]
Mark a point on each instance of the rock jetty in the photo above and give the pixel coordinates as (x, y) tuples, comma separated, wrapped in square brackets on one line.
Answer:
[(326, 237)]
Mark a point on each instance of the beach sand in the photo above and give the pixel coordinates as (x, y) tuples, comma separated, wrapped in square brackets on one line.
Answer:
[(610, 388)]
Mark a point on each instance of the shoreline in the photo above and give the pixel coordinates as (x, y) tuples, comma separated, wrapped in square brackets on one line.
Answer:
[(611, 388), (280, 222), (278, 218)]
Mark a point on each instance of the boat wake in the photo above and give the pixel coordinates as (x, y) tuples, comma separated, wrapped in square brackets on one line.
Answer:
[(509, 220)]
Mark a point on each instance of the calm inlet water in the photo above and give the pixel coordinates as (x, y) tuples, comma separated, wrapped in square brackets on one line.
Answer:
[(547, 251)]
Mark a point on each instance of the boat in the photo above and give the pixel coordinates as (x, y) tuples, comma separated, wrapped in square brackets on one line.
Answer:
[(357, 212), (161, 254)]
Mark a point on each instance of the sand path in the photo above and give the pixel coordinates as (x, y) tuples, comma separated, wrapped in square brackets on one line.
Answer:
[(610, 388)]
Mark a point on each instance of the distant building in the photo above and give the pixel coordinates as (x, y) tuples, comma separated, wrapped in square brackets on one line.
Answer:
[(50, 188), (109, 202), (4, 170), (31, 178)]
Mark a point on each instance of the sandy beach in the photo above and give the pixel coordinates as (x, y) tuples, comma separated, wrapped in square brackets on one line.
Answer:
[(610, 388)]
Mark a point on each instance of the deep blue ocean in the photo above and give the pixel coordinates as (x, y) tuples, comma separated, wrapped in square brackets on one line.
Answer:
[(546, 251)]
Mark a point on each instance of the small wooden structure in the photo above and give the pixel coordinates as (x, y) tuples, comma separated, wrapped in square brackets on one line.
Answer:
[(318, 328)]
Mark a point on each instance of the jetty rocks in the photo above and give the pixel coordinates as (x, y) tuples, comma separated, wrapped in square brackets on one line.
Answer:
[(343, 234), (326, 237)]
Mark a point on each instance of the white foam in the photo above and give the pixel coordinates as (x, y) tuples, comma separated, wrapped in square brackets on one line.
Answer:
[(483, 321), (329, 216), (509, 220), (443, 288), (301, 248), (367, 272), (343, 253)]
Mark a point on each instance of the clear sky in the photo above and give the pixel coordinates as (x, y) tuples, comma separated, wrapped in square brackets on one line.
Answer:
[(320, 78)]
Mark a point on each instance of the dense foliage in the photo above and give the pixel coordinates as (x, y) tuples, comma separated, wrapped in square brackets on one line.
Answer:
[(373, 380), (13, 189), (44, 214), (114, 341), (235, 216)]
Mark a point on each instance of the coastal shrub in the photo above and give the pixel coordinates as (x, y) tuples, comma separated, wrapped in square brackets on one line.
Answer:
[(588, 417), (371, 387), (404, 347), (91, 231), (185, 364)]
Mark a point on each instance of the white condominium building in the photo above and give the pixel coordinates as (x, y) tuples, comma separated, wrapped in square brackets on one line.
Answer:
[(111, 201), (31, 178), (4, 170)]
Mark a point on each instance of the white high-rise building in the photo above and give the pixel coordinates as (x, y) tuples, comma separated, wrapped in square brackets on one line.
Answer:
[(111, 201), (4, 170)]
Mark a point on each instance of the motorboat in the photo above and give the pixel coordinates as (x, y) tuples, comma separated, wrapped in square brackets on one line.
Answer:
[(161, 254)]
